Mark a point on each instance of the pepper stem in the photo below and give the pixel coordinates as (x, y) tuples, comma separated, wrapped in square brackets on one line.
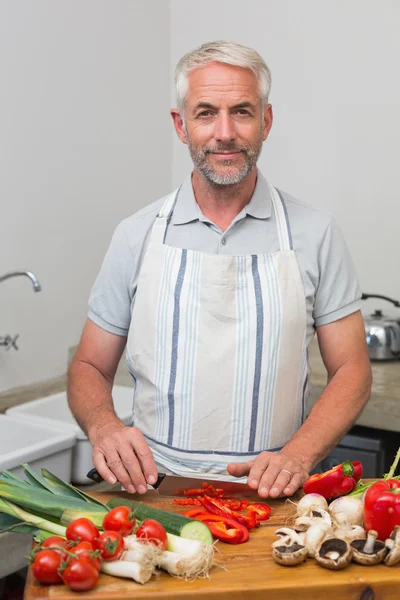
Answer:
[(348, 468), (393, 468)]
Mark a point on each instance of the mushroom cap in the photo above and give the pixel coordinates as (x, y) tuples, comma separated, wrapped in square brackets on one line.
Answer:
[(393, 556), (289, 555), (362, 558), (333, 553)]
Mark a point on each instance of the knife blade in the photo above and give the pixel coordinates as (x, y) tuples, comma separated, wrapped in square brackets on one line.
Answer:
[(174, 485)]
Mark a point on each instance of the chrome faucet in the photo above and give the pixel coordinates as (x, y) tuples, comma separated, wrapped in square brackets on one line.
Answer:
[(36, 285)]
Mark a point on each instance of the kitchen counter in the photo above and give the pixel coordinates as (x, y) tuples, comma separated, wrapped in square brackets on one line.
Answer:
[(383, 408)]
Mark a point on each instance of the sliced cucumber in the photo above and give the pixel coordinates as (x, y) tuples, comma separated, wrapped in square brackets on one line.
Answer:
[(179, 525)]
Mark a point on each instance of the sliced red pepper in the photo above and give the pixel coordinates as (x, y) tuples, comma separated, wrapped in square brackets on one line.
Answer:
[(194, 512), (187, 501), (206, 488), (237, 505), (217, 507), (338, 481), (224, 528), (262, 510)]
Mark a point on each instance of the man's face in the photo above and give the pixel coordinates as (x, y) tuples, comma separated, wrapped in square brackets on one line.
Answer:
[(225, 124)]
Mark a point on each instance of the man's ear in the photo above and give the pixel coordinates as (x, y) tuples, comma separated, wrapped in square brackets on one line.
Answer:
[(179, 125), (268, 118)]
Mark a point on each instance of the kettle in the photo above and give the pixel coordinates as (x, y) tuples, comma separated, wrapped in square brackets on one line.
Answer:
[(382, 332)]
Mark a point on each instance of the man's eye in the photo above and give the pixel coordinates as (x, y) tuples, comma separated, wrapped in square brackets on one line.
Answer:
[(204, 113), (243, 111)]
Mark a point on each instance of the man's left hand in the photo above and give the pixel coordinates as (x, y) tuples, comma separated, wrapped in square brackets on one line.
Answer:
[(272, 474)]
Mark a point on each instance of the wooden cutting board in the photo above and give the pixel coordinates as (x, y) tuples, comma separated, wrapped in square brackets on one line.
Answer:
[(246, 571)]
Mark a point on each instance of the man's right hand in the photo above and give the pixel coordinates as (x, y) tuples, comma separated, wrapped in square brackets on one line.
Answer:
[(122, 454)]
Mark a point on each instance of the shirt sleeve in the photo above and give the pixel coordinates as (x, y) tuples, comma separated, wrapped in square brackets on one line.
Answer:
[(338, 293), (110, 297)]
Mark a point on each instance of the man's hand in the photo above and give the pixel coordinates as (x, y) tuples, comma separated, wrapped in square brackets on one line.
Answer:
[(271, 474), (122, 453)]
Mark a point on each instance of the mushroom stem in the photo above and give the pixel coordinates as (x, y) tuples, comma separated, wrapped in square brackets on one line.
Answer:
[(370, 542), (332, 555)]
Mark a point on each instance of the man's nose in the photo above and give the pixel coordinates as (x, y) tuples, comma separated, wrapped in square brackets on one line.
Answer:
[(225, 128)]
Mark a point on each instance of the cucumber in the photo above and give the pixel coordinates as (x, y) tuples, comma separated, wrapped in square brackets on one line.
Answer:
[(173, 523)]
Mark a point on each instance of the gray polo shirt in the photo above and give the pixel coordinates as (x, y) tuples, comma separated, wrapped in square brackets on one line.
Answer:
[(330, 282)]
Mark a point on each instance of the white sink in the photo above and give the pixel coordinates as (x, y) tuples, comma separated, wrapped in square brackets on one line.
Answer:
[(54, 411)]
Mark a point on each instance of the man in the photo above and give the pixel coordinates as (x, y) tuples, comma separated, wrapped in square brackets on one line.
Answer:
[(217, 290)]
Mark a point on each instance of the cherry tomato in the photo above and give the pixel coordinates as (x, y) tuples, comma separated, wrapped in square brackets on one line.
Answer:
[(82, 530), (154, 532), (121, 519), (54, 540), (88, 550), (80, 574), (45, 566), (110, 544), (56, 543)]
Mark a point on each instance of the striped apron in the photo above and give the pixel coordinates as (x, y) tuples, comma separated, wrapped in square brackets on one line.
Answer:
[(217, 349)]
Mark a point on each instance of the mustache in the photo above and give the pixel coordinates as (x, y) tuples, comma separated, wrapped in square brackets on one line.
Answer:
[(225, 148)]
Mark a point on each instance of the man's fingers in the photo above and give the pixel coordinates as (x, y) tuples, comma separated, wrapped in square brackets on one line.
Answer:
[(132, 466), (116, 465), (145, 457), (282, 480), (101, 465), (239, 469), (293, 485)]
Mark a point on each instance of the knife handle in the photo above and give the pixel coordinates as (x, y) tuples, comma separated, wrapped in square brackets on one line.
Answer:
[(94, 475)]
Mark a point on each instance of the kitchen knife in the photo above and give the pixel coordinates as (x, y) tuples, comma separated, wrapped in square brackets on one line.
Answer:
[(174, 485)]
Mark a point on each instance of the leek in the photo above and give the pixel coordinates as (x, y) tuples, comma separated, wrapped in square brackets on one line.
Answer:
[(17, 512), (14, 525), (45, 503)]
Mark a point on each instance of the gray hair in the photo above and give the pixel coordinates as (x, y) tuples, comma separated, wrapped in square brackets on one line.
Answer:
[(221, 51)]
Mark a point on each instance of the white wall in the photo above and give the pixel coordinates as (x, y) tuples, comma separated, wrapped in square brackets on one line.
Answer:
[(84, 142), (336, 99)]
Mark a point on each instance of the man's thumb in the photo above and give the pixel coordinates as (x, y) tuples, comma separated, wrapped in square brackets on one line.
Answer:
[(239, 469)]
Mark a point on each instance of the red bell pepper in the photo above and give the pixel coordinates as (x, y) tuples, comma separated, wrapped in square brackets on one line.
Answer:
[(224, 528), (216, 507), (187, 501), (382, 507), (261, 510), (193, 512), (339, 481)]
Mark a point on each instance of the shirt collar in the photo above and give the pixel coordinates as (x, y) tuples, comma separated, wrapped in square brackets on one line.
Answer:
[(187, 209)]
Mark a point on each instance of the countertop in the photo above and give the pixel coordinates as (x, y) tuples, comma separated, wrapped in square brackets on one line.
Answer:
[(383, 408)]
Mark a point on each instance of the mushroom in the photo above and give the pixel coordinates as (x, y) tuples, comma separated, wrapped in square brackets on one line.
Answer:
[(287, 537), (333, 553), (289, 549), (289, 555), (354, 532), (370, 551), (304, 522), (393, 545), (315, 535)]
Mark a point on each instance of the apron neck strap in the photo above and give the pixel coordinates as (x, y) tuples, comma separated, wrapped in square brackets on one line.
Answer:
[(282, 220)]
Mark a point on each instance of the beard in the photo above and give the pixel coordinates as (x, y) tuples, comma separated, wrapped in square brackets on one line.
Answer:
[(228, 172)]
